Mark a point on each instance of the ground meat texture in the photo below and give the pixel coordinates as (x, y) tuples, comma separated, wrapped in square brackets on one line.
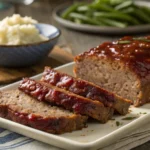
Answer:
[(122, 67), (21, 108), (80, 105), (85, 89)]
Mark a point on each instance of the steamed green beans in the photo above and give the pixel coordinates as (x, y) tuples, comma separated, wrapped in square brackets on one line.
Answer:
[(141, 15), (113, 23), (102, 7), (117, 16), (124, 5), (116, 13), (72, 8), (86, 19)]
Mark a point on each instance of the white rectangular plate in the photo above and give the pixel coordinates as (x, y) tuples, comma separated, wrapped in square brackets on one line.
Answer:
[(95, 136)]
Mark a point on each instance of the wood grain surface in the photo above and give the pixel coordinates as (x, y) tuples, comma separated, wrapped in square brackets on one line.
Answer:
[(78, 42)]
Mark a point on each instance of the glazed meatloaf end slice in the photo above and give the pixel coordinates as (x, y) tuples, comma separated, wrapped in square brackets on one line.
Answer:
[(80, 105), (21, 108), (122, 67), (86, 89)]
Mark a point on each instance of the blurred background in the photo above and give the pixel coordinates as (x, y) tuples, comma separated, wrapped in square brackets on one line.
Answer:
[(41, 10)]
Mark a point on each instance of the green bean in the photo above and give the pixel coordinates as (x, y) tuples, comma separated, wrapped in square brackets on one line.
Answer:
[(102, 7), (90, 13), (83, 8), (128, 10), (117, 13), (102, 1), (72, 8), (141, 15), (85, 19), (86, 10), (145, 9), (118, 16), (116, 2), (109, 2), (78, 21), (114, 23), (124, 5)]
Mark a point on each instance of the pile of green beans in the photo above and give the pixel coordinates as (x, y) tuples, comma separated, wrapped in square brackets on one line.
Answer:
[(116, 13)]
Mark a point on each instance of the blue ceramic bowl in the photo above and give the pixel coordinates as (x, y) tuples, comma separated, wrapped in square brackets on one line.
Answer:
[(30, 54)]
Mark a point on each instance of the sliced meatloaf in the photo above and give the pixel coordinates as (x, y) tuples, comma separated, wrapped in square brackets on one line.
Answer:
[(80, 105), (85, 89), (122, 67), (21, 108)]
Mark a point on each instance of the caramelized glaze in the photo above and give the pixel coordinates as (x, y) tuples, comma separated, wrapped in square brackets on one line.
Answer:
[(53, 95), (135, 54), (45, 124), (78, 86)]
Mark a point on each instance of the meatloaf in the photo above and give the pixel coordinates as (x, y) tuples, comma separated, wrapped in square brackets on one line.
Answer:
[(85, 89), (122, 67), (21, 108), (80, 105)]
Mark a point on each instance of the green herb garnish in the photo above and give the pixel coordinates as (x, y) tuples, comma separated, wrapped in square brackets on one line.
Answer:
[(124, 42), (129, 118), (117, 123), (145, 113), (138, 39), (141, 39)]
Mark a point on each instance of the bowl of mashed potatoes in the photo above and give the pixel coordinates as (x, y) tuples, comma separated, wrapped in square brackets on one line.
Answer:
[(24, 41)]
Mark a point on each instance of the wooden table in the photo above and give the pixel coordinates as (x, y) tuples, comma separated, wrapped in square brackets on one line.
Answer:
[(41, 10)]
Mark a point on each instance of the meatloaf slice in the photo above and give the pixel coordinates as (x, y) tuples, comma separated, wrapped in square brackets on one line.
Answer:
[(21, 108), (46, 92), (122, 67), (86, 89)]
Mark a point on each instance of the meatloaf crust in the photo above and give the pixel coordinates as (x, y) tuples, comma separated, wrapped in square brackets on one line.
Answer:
[(85, 89), (122, 67), (46, 92), (21, 108)]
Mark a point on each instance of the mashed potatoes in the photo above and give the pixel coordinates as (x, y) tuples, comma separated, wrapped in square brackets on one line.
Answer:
[(17, 30)]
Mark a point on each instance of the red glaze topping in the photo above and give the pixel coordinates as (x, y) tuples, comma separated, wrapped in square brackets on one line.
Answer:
[(135, 52), (78, 86), (38, 122), (52, 95)]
